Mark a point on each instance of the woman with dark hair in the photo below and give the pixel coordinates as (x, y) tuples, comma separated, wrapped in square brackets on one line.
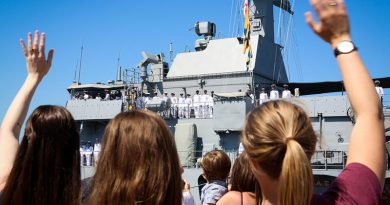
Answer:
[(279, 138), (44, 169), (138, 163), (243, 183)]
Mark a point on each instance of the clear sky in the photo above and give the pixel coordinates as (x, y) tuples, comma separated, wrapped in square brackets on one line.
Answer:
[(125, 27)]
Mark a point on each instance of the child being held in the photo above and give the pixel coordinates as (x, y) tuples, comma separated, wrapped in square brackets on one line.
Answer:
[(216, 167)]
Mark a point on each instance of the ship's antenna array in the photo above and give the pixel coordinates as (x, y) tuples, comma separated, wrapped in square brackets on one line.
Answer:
[(170, 52), (118, 69), (75, 72), (81, 59)]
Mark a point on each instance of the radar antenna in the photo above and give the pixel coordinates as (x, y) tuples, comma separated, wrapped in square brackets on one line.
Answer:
[(81, 59)]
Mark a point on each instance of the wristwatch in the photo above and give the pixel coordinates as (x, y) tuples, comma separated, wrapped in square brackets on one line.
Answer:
[(344, 47)]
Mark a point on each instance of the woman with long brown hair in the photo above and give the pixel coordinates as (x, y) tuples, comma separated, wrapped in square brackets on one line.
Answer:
[(244, 186), (138, 164), (280, 140), (45, 168)]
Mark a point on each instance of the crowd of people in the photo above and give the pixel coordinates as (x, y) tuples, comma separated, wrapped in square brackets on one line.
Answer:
[(278, 140), (108, 95)]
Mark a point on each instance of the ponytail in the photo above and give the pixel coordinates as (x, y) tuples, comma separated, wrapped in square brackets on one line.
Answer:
[(296, 178)]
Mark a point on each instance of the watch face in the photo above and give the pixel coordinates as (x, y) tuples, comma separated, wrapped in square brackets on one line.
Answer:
[(345, 46)]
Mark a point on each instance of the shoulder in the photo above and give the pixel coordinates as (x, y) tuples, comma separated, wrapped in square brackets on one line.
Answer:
[(249, 198), (212, 192), (348, 187), (230, 198), (86, 189)]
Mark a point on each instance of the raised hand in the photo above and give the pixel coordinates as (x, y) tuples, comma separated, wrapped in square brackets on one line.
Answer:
[(37, 68), (37, 64), (333, 25)]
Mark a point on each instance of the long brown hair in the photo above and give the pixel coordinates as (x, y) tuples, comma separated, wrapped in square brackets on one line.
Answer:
[(279, 137), (138, 164), (242, 178), (47, 165)]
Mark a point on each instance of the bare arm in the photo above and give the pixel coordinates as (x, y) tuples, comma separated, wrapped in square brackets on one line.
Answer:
[(367, 138), (37, 68)]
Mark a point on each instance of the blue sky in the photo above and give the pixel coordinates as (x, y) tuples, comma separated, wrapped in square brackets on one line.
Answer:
[(109, 28)]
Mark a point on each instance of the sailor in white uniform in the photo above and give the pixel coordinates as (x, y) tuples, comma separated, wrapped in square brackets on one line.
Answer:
[(155, 97), (274, 94), (263, 96), (250, 94), (168, 103), (98, 97), (86, 95), (197, 105), (174, 104), (296, 92), (147, 98), (211, 104), (181, 105), (188, 106), (107, 96), (379, 90), (204, 100), (286, 92)]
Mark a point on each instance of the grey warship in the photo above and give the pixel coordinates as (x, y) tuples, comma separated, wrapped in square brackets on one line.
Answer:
[(221, 66)]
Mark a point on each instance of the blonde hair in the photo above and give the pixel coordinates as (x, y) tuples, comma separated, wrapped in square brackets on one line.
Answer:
[(216, 165), (279, 138), (138, 164)]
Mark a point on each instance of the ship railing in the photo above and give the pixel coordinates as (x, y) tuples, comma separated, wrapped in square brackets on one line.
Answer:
[(321, 160), (328, 159), (211, 76)]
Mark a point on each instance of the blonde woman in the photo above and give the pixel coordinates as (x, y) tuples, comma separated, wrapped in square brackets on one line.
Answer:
[(280, 140)]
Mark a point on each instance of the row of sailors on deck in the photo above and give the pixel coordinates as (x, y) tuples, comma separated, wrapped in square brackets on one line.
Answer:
[(181, 107), (274, 93), (85, 95)]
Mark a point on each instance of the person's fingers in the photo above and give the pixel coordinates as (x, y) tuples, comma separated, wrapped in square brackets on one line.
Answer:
[(316, 4), (36, 40), (50, 57), (42, 45), (29, 41), (341, 5), (25, 51), (310, 21)]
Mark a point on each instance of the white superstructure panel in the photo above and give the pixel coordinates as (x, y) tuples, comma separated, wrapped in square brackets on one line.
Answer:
[(220, 56)]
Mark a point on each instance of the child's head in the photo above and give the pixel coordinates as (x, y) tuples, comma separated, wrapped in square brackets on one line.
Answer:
[(216, 165)]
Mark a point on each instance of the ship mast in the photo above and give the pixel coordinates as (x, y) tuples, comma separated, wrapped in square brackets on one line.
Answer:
[(81, 59)]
